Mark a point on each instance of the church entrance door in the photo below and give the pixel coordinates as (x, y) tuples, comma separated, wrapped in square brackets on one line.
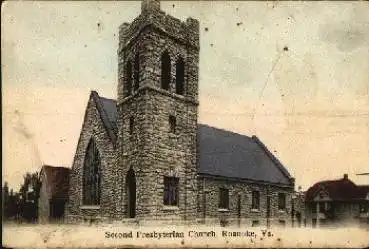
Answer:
[(131, 193)]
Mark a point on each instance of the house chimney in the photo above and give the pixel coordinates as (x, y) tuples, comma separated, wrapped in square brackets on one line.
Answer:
[(345, 176)]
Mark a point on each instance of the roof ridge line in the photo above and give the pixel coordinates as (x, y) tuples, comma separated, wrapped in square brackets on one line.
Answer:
[(222, 129), (102, 112), (273, 158)]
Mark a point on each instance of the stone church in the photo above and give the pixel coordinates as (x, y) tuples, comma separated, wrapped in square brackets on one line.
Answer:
[(145, 157)]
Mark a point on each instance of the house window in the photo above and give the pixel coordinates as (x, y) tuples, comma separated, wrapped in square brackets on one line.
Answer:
[(91, 175), (129, 78), (255, 200), (321, 207), (172, 124), (364, 208), (137, 72), (223, 198), (131, 125), (171, 191), (281, 201), (180, 76), (165, 70), (313, 207)]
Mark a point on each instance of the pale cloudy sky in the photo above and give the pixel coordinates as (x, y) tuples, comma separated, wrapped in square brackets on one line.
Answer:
[(309, 104)]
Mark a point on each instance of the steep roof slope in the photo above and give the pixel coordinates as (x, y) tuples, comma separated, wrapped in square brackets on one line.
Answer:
[(228, 154), (221, 153), (108, 114)]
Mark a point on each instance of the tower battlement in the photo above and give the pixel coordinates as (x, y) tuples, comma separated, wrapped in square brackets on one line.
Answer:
[(157, 112), (151, 16)]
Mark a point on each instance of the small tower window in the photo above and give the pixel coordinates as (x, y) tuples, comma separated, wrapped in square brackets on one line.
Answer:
[(180, 76), (137, 72), (131, 125), (165, 70), (171, 191), (129, 78), (172, 124)]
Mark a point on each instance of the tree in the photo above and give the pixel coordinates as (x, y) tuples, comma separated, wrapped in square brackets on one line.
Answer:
[(5, 196), (10, 203), (29, 193)]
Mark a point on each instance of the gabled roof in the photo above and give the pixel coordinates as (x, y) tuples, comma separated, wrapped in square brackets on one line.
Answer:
[(108, 114), (342, 189), (57, 179), (228, 154), (221, 153)]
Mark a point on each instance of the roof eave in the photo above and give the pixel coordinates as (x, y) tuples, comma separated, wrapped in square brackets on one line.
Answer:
[(274, 160), (243, 180)]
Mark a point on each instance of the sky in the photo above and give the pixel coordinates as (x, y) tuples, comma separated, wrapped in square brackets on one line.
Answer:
[(296, 74)]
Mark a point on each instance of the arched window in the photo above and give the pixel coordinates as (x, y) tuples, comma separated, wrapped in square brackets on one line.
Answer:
[(91, 175), (137, 72), (180, 76), (165, 70), (129, 78)]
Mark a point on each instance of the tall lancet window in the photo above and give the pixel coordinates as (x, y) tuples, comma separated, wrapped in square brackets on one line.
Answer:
[(180, 68), (165, 70), (129, 78), (137, 72), (91, 175)]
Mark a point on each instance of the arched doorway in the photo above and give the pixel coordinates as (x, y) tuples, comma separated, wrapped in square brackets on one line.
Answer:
[(131, 193)]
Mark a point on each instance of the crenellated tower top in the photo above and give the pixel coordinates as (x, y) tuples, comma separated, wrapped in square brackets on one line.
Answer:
[(142, 43), (150, 5)]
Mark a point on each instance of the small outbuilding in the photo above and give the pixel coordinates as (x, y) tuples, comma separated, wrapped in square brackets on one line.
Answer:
[(53, 193)]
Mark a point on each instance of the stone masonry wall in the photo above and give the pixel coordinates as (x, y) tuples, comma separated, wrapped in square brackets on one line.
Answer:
[(152, 151), (150, 34), (243, 190), (93, 127)]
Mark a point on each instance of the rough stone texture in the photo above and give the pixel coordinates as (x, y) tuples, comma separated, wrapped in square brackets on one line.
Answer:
[(152, 151), (93, 128), (150, 34), (209, 194)]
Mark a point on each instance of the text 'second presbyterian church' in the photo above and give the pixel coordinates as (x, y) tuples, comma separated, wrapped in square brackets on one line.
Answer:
[(144, 156)]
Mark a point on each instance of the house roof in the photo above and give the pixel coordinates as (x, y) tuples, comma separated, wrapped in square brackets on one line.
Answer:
[(221, 153), (342, 189), (57, 179)]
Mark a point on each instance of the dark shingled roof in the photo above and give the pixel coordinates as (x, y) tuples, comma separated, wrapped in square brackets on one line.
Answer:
[(58, 180), (342, 189), (228, 154), (222, 153), (108, 113)]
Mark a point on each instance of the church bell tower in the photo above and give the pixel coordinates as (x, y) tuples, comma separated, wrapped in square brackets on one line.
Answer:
[(157, 116)]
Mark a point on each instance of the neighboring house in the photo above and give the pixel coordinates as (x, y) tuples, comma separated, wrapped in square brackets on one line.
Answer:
[(144, 156), (53, 193), (337, 202)]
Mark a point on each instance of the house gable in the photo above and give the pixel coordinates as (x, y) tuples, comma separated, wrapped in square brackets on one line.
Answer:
[(322, 195)]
